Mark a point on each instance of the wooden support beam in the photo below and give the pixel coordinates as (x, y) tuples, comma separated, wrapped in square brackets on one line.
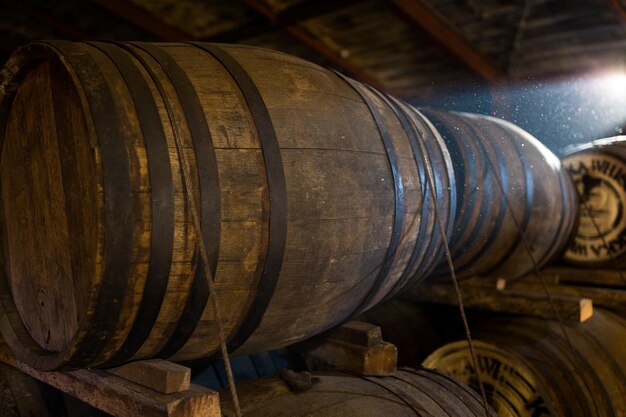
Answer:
[(522, 301), (144, 20), (305, 37), (426, 19), (52, 22), (611, 298)]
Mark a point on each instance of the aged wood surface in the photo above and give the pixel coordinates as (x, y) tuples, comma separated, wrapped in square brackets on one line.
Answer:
[(358, 347), (516, 206), (597, 169), (408, 392), (522, 299), (607, 297), (531, 368), (305, 227), (121, 397), (162, 376)]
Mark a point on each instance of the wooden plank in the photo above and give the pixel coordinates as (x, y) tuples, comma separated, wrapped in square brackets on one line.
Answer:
[(160, 375), (530, 302), (122, 398), (422, 16), (591, 277), (611, 298), (317, 45)]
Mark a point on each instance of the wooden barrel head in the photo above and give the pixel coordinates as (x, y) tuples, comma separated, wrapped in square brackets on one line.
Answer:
[(599, 173), (510, 382), (49, 204), (530, 368)]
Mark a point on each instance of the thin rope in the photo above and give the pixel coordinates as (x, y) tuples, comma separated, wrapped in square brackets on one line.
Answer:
[(189, 196), (457, 289), (604, 242), (555, 310)]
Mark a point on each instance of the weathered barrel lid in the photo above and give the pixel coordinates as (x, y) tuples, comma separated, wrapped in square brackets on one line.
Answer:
[(513, 385), (598, 169)]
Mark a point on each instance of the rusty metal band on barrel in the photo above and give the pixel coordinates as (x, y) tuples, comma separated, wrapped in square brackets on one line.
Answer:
[(398, 194), (117, 200), (277, 191), (162, 200), (412, 136), (210, 198)]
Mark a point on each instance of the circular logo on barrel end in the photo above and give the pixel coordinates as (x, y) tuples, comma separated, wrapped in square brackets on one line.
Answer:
[(511, 384), (600, 179)]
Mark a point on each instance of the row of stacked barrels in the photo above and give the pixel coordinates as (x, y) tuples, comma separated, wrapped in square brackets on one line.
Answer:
[(317, 198), (534, 367)]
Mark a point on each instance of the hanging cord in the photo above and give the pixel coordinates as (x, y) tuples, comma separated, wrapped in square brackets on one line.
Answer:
[(537, 271), (191, 203), (206, 268), (457, 289), (521, 25), (589, 210)]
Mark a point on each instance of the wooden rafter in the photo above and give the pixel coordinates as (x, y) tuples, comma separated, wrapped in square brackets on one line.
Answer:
[(619, 7), (144, 20), (315, 44), (422, 16)]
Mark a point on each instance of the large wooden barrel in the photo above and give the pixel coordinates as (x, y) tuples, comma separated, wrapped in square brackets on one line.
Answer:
[(409, 392), (598, 170), (310, 187), (530, 370), (513, 197)]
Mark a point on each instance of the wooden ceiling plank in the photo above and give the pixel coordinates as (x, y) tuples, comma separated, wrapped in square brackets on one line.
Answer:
[(317, 45), (145, 20), (421, 15)]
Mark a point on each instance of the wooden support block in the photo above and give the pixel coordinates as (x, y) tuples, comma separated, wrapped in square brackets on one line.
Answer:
[(531, 303), (160, 375), (358, 347), (123, 398)]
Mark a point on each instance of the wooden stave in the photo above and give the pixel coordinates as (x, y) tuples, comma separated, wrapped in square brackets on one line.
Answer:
[(587, 383), (614, 147), (18, 337), (537, 164), (409, 392)]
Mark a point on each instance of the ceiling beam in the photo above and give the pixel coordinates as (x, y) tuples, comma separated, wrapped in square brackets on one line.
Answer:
[(426, 19), (619, 7), (311, 41), (145, 20)]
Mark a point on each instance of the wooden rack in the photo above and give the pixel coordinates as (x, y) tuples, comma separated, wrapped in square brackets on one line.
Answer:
[(574, 292), (150, 388)]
